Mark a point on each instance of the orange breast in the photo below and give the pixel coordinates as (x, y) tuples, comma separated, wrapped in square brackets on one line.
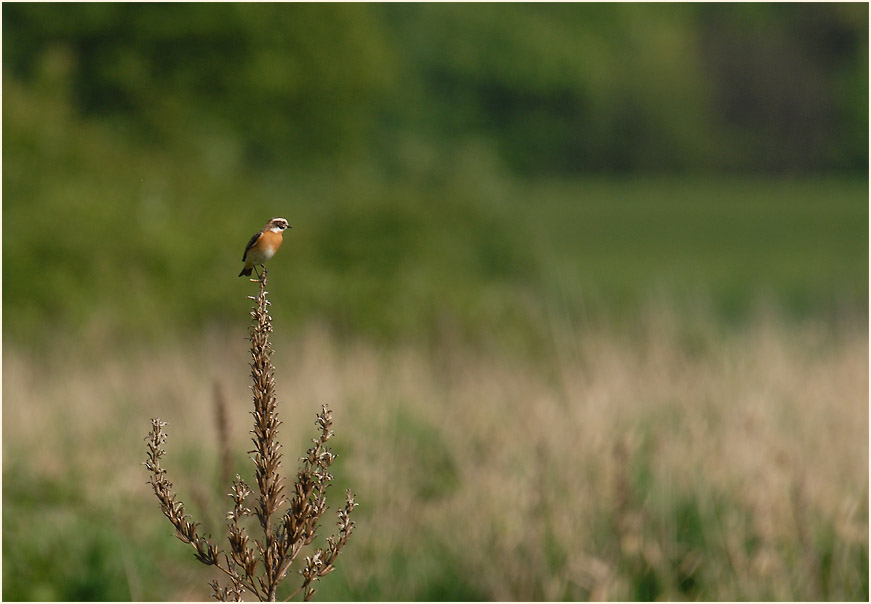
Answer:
[(271, 240), (265, 247)]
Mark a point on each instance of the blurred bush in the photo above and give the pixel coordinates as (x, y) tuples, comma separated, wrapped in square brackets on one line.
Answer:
[(415, 149), (558, 88), (282, 81)]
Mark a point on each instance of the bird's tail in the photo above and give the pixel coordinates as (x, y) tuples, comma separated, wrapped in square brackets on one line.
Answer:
[(246, 271)]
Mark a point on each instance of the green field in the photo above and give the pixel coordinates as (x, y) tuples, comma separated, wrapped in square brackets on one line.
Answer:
[(102, 236), (601, 386)]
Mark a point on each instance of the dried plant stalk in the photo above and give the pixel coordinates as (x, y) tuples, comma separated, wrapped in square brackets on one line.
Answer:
[(186, 530), (267, 458), (284, 536)]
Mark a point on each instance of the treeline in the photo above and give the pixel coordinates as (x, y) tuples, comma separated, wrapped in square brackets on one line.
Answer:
[(533, 88)]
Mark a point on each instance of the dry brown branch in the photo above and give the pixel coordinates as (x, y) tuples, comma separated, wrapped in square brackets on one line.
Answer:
[(260, 565)]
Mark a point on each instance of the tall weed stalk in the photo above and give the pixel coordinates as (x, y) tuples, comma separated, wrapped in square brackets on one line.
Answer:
[(259, 565)]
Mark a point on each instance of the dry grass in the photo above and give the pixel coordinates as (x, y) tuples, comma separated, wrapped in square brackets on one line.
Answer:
[(670, 462)]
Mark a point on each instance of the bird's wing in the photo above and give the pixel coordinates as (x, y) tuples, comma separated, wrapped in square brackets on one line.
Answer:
[(251, 244)]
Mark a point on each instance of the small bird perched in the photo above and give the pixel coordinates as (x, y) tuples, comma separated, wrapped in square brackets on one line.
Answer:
[(263, 245)]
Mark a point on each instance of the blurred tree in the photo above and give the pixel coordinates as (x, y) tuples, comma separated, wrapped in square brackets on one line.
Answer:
[(586, 87), (791, 84), (284, 80), (561, 87), (556, 88)]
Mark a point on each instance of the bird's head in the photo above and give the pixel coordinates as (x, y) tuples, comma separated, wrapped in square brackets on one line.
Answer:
[(278, 225)]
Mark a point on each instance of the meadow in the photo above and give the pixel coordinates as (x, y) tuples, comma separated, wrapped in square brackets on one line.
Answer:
[(450, 238), (585, 286), (591, 389), (668, 463)]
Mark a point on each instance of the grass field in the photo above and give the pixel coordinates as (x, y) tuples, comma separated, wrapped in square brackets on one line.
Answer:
[(670, 462), (608, 389), (448, 239), (601, 387), (616, 388)]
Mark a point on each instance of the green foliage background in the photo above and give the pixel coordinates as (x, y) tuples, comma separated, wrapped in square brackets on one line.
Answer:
[(495, 173), (144, 143)]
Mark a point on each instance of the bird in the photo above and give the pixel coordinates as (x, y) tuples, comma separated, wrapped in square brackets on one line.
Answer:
[(263, 245)]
